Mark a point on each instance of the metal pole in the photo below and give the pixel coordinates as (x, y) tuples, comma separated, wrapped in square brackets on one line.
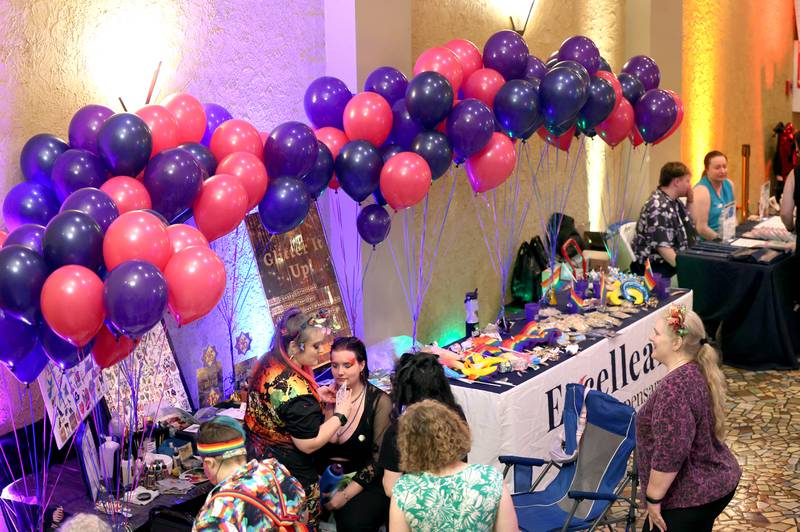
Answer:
[(745, 208)]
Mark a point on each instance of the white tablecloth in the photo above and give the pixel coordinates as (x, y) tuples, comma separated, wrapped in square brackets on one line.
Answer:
[(523, 420)]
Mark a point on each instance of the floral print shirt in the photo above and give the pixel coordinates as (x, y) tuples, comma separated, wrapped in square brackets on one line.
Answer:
[(466, 501), (260, 495), (675, 434), (663, 222)]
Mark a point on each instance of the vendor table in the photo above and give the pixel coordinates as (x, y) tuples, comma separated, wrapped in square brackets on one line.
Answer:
[(70, 493), (753, 302), (522, 418)]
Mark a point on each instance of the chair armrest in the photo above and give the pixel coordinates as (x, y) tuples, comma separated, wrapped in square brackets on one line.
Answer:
[(521, 460), (592, 495)]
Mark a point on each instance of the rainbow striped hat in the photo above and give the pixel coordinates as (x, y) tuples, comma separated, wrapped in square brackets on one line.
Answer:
[(225, 449)]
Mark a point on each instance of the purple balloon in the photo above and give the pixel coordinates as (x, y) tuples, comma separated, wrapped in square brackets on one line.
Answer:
[(429, 98), (390, 150), (516, 107), (30, 366), (61, 352), (632, 88), (644, 69), (388, 82), (85, 125), (94, 202), (581, 49), (551, 61), (506, 52), (73, 237), (325, 100), (135, 297), (435, 149), (29, 203), (469, 127), (577, 67), (215, 115), (173, 178), (18, 338), (22, 275), (535, 68), (290, 150), (38, 157), (655, 112), (77, 169), (27, 235), (404, 128), (317, 179), (284, 205), (358, 169), (604, 65), (124, 143), (373, 224), (598, 106), (562, 94), (203, 156)]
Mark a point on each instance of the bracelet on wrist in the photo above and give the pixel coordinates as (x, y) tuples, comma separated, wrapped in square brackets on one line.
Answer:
[(651, 500)]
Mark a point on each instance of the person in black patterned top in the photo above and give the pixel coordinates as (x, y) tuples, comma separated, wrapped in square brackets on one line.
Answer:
[(665, 227)]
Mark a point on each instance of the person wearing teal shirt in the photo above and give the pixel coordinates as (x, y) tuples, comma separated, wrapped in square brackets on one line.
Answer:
[(713, 195)]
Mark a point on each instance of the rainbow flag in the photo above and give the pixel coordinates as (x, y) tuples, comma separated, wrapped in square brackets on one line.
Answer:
[(555, 275), (603, 290), (575, 298), (649, 280)]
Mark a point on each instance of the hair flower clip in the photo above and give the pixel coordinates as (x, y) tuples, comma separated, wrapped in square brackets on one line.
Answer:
[(676, 319)]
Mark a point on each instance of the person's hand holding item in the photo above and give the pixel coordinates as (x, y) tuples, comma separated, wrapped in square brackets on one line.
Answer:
[(327, 394), (343, 401)]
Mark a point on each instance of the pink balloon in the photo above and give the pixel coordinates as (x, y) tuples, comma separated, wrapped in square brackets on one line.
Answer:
[(441, 60), (220, 207), (635, 137), (163, 127), (72, 303), (678, 119), (236, 135), (484, 85), (368, 116), (3, 236), (611, 78), (136, 235), (195, 281), (128, 194), (182, 236), (562, 142), (190, 116), (405, 179), (334, 139), (469, 56), (251, 173), (618, 125), (491, 166)]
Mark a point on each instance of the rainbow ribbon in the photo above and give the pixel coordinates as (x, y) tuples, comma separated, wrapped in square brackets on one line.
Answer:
[(575, 298), (555, 275)]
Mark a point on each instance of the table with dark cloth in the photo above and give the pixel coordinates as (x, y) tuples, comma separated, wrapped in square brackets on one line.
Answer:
[(754, 303)]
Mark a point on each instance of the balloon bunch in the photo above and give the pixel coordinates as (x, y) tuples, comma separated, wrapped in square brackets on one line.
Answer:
[(97, 250)]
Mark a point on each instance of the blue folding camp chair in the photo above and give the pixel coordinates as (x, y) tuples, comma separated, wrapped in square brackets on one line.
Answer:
[(589, 481)]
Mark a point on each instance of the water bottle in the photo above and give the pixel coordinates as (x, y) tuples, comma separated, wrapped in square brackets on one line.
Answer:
[(330, 482)]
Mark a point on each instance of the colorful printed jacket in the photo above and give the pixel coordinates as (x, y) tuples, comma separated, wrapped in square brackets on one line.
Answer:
[(260, 495), (275, 386)]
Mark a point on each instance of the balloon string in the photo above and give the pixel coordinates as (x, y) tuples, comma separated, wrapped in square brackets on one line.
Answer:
[(645, 153), (535, 185), (420, 261), (441, 232), (16, 438), (366, 269), (484, 233), (399, 275)]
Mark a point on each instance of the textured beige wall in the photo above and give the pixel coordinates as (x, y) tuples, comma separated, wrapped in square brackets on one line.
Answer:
[(744, 78), (255, 57)]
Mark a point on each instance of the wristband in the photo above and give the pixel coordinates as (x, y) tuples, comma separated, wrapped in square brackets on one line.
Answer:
[(653, 501), (342, 418)]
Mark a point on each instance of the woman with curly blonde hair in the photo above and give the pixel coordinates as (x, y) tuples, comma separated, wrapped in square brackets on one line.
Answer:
[(688, 474), (439, 491)]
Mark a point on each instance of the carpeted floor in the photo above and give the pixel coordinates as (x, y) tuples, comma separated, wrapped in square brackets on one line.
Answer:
[(764, 434)]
